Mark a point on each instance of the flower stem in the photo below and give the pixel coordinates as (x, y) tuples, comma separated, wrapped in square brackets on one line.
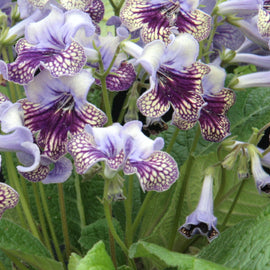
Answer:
[(79, 201), (128, 210), (183, 188), (49, 220), (233, 204), (41, 218), (141, 211), (112, 230), (64, 218), (173, 139), (13, 176)]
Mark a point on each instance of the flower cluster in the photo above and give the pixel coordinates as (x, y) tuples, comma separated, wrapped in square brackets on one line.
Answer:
[(167, 56)]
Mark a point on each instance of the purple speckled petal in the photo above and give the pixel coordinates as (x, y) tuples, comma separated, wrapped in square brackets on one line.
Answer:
[(214, 127), (158, 172), (221, 102), (67, 62), (122, 78), (38, 174), (84, 151), (8, 198), (54, 121), (196, 23), (181, 123), (152, 104), (154, 19), (263, 22), (96, 10), (60, 173)]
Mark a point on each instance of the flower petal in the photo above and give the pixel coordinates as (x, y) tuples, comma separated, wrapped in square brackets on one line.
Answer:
[(84, 151), (196, 23), (158, 172), (122, 78), (8, 198), (60, 173), (67, 62)]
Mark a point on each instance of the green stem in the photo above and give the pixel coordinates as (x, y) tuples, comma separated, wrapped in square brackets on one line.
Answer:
[(141, 211), (173, 139), (49, 220), (233, 204), (41, 218), (128, 210), (183, 188), (211, 37), (11, 84), (64, 218), (13, 176), (108, 215), (106, 100), (79, 201)]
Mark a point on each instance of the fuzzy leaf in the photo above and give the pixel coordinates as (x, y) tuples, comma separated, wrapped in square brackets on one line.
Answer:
[(96, 259), (243, 246), (18, 242), (98, 230), (165, 258)]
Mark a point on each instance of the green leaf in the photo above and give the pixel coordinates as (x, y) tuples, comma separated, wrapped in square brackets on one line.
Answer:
[(19, 242), (165, 258), (98, 230), (74, 261), (243, 246), (95, 259)]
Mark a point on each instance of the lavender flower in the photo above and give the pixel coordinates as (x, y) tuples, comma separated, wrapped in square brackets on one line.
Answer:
[(158, 19), (175, 78), (214, 124), (54, 43), (127, 148), (202, 221), (56, 107)]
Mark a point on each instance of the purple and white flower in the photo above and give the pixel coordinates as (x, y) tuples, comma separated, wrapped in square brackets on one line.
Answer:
[(122, 73), (158, 19), (262, 179), (214, 124), (125, 148), (57, 107), (55, 43), (202, 221), (175, 78)]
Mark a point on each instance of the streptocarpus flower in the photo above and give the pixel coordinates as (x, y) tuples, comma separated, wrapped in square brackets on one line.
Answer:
[(175, 78), (56, 107), (159, 18), (122, 73), (8, 198), (262, 179), (127, 148), (214, 124), (202, 221), (54, 43)]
